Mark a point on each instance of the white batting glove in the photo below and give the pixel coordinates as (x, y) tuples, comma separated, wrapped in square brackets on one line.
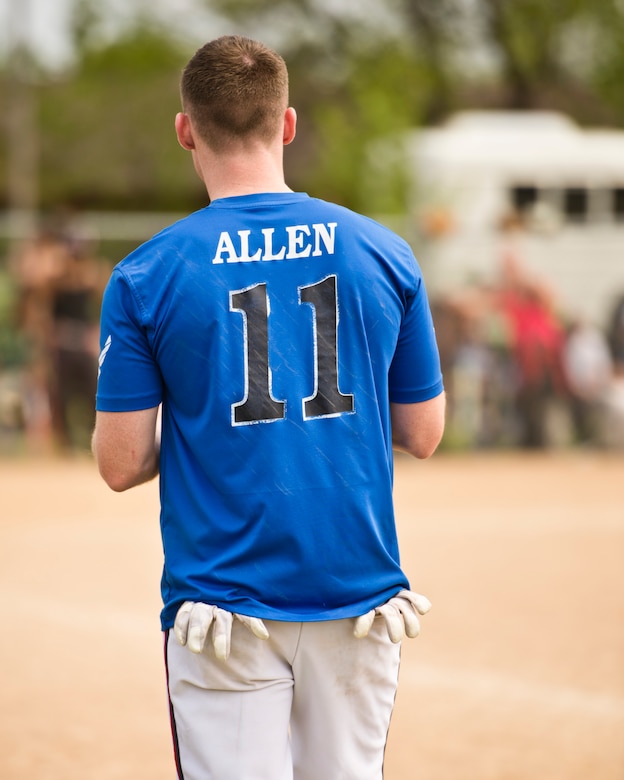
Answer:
[(195, 618), (400, 613)]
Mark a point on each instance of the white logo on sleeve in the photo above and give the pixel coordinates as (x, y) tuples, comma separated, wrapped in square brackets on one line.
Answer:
[(103, 353)]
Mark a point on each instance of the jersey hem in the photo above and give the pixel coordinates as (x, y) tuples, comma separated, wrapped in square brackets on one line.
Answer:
[(269, 613)]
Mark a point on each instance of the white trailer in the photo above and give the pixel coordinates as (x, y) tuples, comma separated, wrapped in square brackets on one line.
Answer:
[(566, 182)]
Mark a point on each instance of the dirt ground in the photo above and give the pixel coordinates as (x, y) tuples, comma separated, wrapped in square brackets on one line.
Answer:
[(518, 673)]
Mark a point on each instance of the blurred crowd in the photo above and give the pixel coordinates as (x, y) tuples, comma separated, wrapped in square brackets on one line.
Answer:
[(519, 372), (48, 392)]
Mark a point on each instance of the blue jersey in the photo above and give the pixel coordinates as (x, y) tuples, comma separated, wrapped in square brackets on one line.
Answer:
[(275, 330)]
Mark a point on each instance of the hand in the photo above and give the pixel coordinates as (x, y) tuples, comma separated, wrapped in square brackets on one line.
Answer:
[(400, 613), (194, 619)]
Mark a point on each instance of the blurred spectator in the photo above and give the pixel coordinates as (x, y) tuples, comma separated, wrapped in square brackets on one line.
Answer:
[(503, 357), (74, 345), (616, 332), (537, 340), (477, 367), (589, 370), (35, 268), (537, 337), (612, 419), (472, 368), (59, 285)]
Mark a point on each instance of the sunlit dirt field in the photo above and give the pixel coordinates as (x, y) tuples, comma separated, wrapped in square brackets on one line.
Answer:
[(518, 673)]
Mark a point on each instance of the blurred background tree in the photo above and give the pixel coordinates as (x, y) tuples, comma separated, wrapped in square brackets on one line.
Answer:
[(107, 137), (359, 71)]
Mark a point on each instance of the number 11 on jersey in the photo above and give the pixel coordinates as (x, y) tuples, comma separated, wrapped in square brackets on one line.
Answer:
[(258, 404)]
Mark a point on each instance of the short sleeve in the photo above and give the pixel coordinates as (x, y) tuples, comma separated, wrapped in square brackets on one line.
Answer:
[(415, 374), (128, 377)]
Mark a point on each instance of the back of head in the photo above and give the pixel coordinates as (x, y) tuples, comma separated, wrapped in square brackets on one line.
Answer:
[(235, 89)]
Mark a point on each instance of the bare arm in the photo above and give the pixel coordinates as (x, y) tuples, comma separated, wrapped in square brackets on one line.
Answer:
[(417, 428), (126, 446)]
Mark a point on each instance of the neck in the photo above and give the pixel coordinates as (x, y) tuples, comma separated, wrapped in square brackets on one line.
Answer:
[(242, 173)]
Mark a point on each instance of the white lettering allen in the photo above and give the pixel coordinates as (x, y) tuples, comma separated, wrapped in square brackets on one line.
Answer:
[(297, 242)]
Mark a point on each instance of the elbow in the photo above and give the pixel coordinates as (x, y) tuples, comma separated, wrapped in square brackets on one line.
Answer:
[(125, 448), (119, 486), (121, 479), (115, 477), (419, 440), (116, 480), (420, 448), (423, 452), (417, 429), (120, 475)]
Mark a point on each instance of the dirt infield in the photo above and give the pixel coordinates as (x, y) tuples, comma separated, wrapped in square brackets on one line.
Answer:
[(518, 674)]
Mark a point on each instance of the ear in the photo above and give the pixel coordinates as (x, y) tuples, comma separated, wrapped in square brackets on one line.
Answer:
[(184, 132), (290, 126)]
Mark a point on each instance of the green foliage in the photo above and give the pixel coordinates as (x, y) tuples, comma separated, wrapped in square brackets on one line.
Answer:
[(358, 74), (108, 139), (12, 344), (363, 110), (606, 34)]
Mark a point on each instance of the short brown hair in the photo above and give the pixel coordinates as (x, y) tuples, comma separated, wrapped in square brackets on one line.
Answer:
[(234, 88)]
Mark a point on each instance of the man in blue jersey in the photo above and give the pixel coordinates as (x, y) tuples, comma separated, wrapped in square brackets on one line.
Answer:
[(289, 344)]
